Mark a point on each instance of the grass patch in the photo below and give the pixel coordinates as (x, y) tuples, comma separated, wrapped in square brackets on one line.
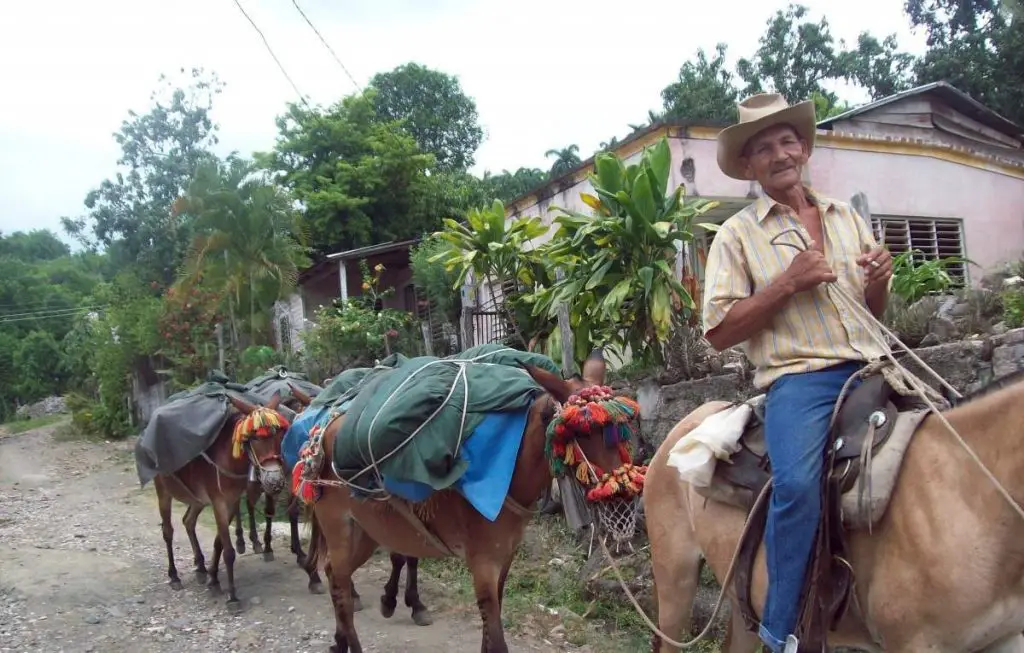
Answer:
[(20, 426), (545, 598)]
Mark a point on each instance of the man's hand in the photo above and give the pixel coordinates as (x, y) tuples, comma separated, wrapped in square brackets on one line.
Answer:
[(809, 269), (878, 264)]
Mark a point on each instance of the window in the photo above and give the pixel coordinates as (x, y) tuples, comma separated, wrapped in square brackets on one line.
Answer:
[(933, 237)]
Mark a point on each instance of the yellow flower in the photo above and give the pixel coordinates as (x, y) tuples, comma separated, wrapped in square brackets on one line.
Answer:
[(366, 286), (379, 267)]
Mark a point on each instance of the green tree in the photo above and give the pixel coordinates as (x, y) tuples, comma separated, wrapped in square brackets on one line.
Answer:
[(361, 181), (977, 46), (249, 242), (35, 245), (160, 152), (566, 159), (507, 186), (794, 57), (38, 366), (704, 90), (431, 106), (877, 66)]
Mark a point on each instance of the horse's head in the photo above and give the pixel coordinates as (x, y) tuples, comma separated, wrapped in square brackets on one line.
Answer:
[(258, 434), (593, 432), (301, 397)]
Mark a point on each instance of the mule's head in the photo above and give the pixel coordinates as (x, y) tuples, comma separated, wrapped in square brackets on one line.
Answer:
[(301, 398), (258, 435), (593, 433)]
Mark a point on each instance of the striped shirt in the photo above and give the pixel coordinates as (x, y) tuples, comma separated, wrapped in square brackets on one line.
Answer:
[(814, 329)]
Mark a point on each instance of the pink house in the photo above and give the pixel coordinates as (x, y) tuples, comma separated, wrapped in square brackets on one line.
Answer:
[(937, 171)]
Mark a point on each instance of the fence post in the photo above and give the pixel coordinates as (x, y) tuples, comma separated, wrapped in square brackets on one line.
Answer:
[(568, 346), (860, 204)]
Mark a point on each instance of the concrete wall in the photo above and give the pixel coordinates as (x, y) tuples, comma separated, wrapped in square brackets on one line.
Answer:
[(967, 366)]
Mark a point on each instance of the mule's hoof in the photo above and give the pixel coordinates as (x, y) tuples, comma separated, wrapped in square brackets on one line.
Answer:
[(175, 584), (257, 547), (201, 575), (387, 609), (357, 604), (240, 547), (234, 606), (316, 588), (422, 617), (300, 559), (268, 556), (214, 587)]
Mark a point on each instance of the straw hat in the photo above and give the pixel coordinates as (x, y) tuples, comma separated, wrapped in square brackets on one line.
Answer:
[(759, 112)]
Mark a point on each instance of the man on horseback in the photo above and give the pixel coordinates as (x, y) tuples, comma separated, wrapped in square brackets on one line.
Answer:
[(773, 299)]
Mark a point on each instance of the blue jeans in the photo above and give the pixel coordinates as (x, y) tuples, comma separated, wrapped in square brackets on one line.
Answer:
[(798, 410)]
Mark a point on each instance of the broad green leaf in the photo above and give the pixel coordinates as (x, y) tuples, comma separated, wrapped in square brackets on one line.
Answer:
[(595, 278), (615, 298), (646, 275), (591, 201), (610, 174), (709, 226), (660, 158), (643, 199)]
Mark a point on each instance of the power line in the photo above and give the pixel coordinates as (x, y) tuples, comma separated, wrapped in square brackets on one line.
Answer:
[(44, 312), (271, 51), (326, 45), (66, 314)]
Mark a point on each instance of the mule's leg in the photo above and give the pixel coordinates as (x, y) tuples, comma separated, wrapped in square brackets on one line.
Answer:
[(737, 638), (222, 511), (389, 600), (252, 495), (420, 614), (269, 509), (486, 581), (189, 520), (351, 547), (163, 498), (357, 603), (676, 563), (239, 539), (218, 549), (293, 523)]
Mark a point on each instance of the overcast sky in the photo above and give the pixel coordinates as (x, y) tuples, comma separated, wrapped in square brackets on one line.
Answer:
[(544, 73)]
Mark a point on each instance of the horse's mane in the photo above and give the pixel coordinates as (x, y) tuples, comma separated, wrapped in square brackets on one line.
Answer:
[(987, 389)]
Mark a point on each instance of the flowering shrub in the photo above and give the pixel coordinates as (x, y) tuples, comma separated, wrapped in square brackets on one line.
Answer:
[(188, 324), (354, 333)]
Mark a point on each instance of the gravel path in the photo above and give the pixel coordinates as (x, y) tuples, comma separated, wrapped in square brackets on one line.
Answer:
[(83, 568)]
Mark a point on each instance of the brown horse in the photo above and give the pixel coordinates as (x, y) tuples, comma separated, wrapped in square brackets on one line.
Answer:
[(347, 531), (941, 571), (218, 477), (388, 601)]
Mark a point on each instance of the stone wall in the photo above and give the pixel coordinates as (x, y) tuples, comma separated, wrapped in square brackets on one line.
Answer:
[(967, 366)]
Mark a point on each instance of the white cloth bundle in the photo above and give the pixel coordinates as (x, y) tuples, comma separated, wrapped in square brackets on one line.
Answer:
[(717, 437)]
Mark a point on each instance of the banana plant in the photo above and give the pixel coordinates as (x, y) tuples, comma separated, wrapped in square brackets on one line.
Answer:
[(494, 251), (619, 281)]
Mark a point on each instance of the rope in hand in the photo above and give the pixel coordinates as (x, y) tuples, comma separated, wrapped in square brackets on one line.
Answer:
[(869, 321)]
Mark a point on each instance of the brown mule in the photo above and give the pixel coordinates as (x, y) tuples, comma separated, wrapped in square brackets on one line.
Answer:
[(388, 601), (218, 477), (347, 531)]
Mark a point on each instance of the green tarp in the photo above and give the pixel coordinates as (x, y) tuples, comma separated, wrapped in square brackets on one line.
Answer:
[(397, 401)]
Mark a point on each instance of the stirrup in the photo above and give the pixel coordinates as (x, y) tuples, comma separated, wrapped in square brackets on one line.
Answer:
[(792, 644)]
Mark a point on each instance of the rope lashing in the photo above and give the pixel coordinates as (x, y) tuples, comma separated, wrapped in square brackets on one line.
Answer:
[(585, 413), (260, 423)]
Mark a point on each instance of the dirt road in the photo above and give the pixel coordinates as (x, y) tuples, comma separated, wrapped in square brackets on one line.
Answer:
[(83, 568)]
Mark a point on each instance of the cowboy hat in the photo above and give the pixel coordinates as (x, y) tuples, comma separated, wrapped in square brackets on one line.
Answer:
[(757, 113)]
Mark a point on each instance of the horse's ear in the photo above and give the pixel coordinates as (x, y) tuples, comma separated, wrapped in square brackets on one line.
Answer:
[(243, 406), (556, 386), (274, 401), (303, 398), (594, 367)]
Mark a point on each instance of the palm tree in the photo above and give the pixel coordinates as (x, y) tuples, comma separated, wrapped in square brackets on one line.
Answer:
[(565, 160), (249, 239)]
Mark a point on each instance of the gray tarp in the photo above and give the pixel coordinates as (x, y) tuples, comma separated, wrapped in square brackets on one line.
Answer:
[(276, 380), (184, 427)]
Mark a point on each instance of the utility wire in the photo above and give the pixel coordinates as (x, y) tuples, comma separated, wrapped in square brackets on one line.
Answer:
[(271, 51), (70, 313), (50, 311), (326, 45)]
